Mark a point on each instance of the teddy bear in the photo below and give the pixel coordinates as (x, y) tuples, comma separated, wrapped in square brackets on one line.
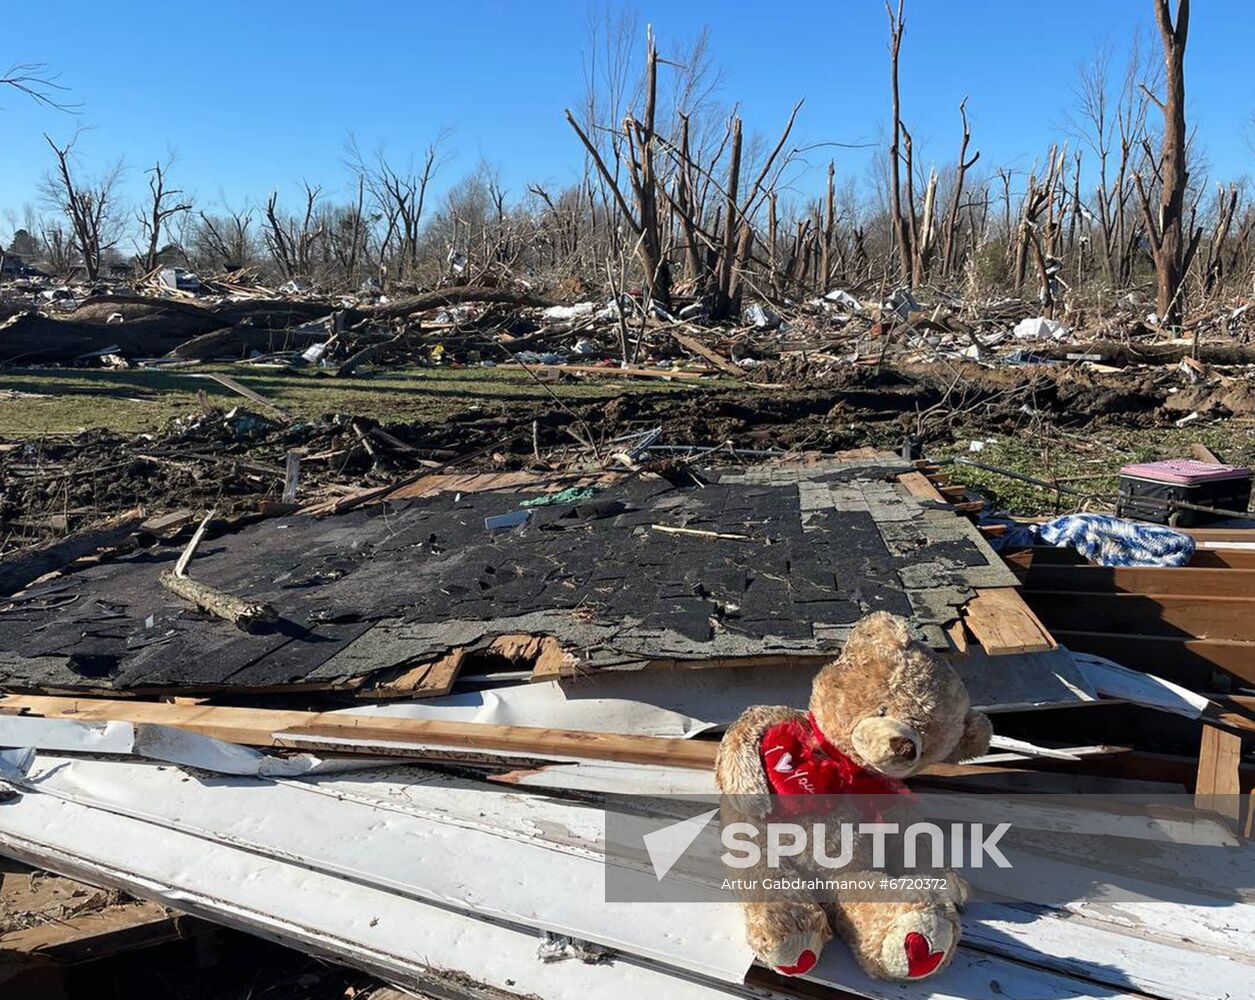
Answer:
[(881, 712)]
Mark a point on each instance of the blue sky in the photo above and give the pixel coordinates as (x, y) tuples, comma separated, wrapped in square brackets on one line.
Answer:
[(257, 95)]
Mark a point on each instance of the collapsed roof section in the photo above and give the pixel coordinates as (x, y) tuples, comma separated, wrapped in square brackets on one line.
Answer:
[(757, 563)]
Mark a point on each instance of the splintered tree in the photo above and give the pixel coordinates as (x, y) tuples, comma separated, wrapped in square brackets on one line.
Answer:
[(1165, 227), (901, 229), (642, 144), (163, 206)]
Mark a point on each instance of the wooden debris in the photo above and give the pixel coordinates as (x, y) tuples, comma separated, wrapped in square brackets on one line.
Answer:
[(371, 734), (671, 529), (423, 680), (718, 360), (291, 475), (229, 383), (1219, 787), (612, 371), (1003, 623), (998, 617), (248, 616)]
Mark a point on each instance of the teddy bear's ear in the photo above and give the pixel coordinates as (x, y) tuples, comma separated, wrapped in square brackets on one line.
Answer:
[(879, 634), (977, 732)]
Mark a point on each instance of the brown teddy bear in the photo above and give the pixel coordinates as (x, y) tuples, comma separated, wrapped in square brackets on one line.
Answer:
[(883, 711)]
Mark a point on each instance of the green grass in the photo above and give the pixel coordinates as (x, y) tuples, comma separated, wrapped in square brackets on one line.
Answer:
[(144, 399), (1085, 461)]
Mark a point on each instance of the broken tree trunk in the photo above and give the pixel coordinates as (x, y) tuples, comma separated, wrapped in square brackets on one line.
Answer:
[(1165, 226), (248, 616)]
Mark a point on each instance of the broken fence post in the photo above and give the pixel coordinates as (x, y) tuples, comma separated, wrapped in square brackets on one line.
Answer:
[(291, 474)]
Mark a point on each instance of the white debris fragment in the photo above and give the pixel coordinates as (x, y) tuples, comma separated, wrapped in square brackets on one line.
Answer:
[(840, 297), (579, 310), (1039, 328)]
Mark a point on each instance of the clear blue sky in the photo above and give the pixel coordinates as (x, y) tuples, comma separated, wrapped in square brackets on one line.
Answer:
[(254, 95)]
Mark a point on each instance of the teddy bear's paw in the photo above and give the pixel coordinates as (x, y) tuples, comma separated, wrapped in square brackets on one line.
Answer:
[(788, 937), (795, 955), (957, 890), (918, 944)]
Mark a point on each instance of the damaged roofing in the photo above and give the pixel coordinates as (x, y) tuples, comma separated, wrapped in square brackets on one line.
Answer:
[(772, 560)]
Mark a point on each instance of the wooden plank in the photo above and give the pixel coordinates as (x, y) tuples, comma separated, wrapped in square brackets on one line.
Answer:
[(85, 937), (1176, 658), (522, 740), (718, 360), (610, 371), (229, 383), (1002, 623), (920, 487), (1184, 580), (998, 617), (1048, 555), (1201, 452), (1218, 785), (271, 728), (1168, 614)]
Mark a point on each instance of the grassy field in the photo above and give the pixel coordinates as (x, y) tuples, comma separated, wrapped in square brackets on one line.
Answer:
[(144, 399), (1086, 462)]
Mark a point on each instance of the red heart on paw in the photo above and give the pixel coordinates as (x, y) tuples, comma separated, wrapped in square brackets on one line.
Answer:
[(920, 957), (806, 961)]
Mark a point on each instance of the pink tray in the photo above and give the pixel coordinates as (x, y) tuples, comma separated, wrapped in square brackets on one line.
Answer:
[(1185, 471)]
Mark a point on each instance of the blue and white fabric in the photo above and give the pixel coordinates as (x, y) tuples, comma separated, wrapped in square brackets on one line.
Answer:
[(1107, 540)]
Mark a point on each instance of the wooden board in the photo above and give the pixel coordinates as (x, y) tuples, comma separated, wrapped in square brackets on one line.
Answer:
[(229, 383), (697, 347), (422, 680), (918, 486), (1219, 787), (609, 371), (1168, 614), (1176, 658), (1002, 623), (114, 930), (1184, 580), (1047, 555), (279, 727)]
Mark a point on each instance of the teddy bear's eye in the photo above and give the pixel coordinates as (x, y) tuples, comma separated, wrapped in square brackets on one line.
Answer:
[(883, 710)]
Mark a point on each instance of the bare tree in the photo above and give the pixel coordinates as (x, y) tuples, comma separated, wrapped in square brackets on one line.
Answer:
[(642, 145), (224, 239), (162, 206), (949, 251), (901, 230), (400, 196), (89, 208), (1165, 227), (38, 83), (291, 239)]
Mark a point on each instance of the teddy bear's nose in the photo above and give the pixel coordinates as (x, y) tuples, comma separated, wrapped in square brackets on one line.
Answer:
[(903, 746)]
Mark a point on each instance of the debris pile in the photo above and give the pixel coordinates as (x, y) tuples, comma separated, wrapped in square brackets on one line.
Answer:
[(411, 763)]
